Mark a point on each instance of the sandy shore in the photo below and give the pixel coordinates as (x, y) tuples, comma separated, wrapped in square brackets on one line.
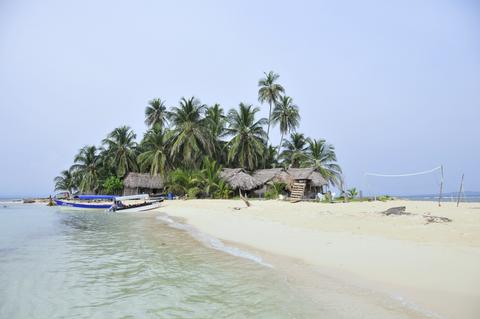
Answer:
[(434, 266)]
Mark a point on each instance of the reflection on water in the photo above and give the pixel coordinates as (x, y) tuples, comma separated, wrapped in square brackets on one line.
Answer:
[(95, 265)]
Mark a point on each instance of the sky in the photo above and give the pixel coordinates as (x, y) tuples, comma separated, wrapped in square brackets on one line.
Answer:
[(393, 85)]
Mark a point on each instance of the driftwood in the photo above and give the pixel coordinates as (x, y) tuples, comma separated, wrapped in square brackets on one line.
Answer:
[(436, 219), (401, 210), (396, 211)]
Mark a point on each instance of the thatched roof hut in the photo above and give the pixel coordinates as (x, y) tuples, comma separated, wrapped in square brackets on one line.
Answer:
[(309, 174), (238, 178), (271, 175), (137, 183)]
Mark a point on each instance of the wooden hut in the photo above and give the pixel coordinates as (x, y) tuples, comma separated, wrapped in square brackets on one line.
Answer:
[(139, 183), (268, 176), (307, 182), (239, 179)]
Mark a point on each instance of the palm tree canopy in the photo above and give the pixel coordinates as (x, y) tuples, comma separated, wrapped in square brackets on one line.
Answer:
[(295, 150), (86, 165), (191, 137), (247, 145), (156, 113), (65, 181), (286, 114), (321, 155), (269, 91), (121, 146), (155, 152)]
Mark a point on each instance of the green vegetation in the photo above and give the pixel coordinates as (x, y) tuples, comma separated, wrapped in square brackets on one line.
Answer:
[(189, 143), (113, 185)]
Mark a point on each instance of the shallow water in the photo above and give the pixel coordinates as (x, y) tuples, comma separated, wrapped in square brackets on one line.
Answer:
[(77, 264), (56, 264)]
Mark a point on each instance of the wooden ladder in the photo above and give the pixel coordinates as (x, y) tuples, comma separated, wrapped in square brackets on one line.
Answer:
[(298, 190)]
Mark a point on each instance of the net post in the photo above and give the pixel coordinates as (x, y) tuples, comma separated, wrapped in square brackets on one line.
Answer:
[(460, 190), (441, 188)]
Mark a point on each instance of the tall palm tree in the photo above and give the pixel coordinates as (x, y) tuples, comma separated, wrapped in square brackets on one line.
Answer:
[(321, 155), (65, 181), (190, 136), (86, 166), (247, 146), (156, 113), (216, 121), (287, 116), (121, 146), (269, 92), (294, 150), (155, 152)]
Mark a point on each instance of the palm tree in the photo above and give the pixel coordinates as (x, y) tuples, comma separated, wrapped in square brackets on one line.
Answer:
[(190, 135), (65, 181), (247, 146), (321, 155), (210, 176), (121, 150), (352, 192), (286, 114), (155, 152), (184, 182), (216, 121), (86, 166), (269, 92), (156, 113), (295, 150)]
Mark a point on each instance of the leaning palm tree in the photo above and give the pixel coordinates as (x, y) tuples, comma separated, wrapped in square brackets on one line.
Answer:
[(155, 152), (287, 116), (85, 167), (120, 146), (294, 152), (321, 155), (190, 135), (65, 181), (247, 147), (156, 113), (269, 92)]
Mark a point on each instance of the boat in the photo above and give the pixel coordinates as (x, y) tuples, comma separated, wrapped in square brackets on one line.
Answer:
[(86, 205), (119, 207), (135, 208)]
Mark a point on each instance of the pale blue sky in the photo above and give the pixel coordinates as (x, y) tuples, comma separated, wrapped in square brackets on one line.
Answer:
[(394, 85)]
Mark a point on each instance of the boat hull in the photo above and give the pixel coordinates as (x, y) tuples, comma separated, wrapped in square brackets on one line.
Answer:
[(62, 203), (139, 208)]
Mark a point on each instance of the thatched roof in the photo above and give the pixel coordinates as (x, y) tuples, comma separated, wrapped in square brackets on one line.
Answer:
[(139, 180), (308, 173), (238, 178), (271, 174)]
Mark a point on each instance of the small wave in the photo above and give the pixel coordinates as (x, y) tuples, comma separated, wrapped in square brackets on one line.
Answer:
[(213, 242), (410, 305)]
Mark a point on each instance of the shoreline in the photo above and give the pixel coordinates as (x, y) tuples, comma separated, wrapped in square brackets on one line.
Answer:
[(433, 267)]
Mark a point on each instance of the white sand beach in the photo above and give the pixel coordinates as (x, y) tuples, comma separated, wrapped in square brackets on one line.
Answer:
[(434, 266)]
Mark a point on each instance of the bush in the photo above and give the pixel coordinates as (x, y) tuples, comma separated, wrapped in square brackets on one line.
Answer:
[(113, 185)]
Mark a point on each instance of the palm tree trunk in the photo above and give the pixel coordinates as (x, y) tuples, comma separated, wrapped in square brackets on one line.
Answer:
[(269, 120), (279, 146)]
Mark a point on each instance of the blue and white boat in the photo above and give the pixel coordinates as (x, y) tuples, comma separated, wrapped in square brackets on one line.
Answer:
[(106, 202)]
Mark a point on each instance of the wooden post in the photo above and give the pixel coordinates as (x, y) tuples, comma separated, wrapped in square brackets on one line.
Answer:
[(441, 188), (460, 191)]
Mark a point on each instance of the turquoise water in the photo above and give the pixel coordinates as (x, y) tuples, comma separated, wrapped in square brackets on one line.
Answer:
[(57, 264), (77, 264)]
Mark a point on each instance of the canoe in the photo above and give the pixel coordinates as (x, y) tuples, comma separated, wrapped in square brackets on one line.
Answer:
[(63, 203)]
